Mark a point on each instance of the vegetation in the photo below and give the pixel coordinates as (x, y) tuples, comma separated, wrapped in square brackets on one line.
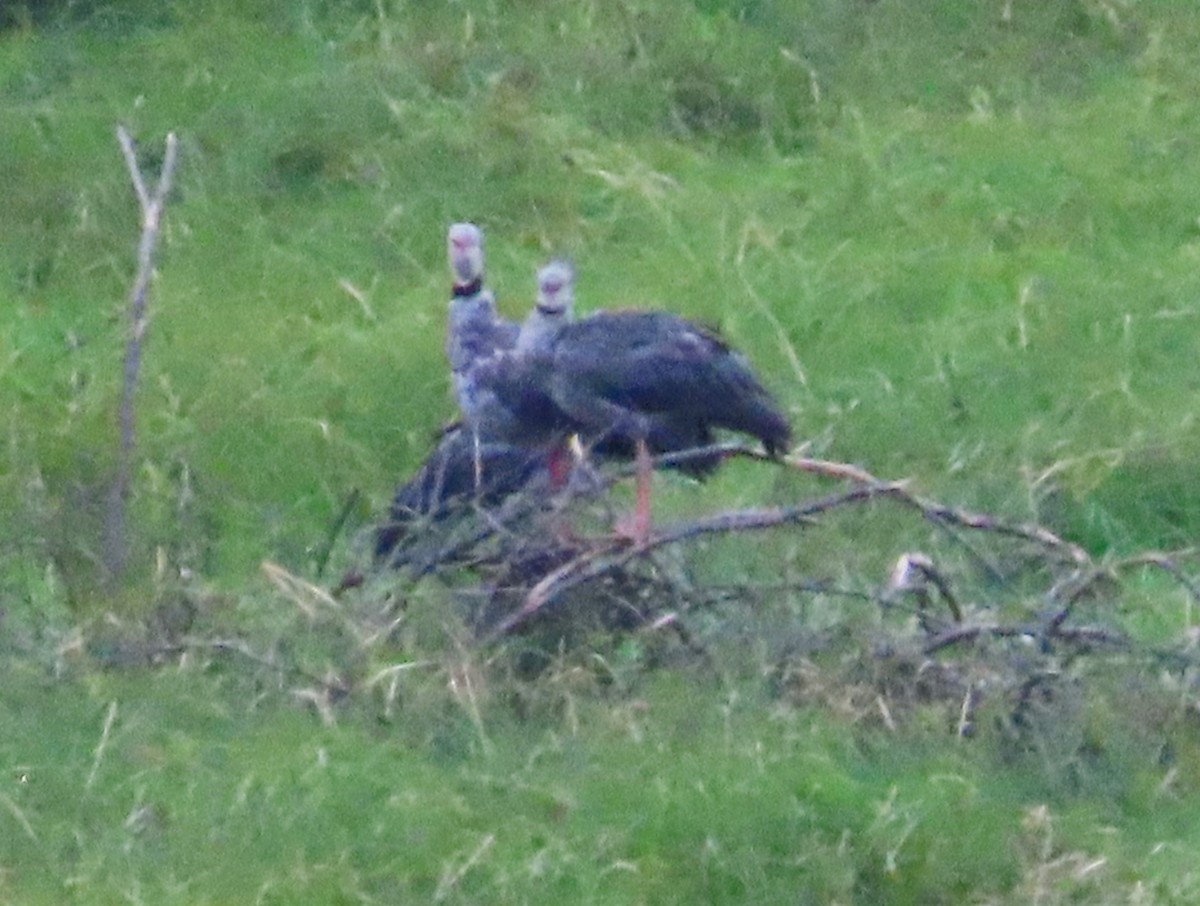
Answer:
[(959, 239)]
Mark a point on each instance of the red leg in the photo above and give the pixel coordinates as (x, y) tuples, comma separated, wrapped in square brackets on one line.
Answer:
[(637, 529), (560, 462), (559, 465)]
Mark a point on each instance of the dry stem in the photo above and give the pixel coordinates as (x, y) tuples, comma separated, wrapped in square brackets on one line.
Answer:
[(613, 555), (116, 539)]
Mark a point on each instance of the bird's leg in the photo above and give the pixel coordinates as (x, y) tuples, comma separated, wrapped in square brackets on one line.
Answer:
[(637, 528), (559, 466), (641, 512), (561, 463)]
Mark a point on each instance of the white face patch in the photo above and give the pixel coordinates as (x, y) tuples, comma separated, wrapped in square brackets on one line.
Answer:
[(555, 289), (464, 244)]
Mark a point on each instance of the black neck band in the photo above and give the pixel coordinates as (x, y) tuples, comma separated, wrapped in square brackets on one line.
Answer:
[(468, 289)]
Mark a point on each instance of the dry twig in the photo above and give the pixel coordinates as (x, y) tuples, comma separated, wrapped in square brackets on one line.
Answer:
[(116, 540), (613, 555), (531, 568)]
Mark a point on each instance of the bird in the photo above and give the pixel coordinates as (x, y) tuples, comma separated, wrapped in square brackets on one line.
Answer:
[(518, 385), (629, 383), (511, 400), (449, 479), (464, 463), (474, 331), (664, 382), (553, 307)]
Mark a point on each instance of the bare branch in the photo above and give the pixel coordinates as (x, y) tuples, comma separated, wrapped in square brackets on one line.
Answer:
[(1165, 562), (135, 172), (616, 553), (935, 512), (494, 537), (913, 571), (151, 205), (968, 633)]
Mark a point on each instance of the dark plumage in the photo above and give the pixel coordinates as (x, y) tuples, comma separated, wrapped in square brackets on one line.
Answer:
[(447, 482), (617, 377), (663, 382), (656, 376), (629, 383), (466, 463), (511, 387)]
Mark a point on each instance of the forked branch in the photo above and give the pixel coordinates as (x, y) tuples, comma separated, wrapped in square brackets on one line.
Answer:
[(116, 541), (611, 556)]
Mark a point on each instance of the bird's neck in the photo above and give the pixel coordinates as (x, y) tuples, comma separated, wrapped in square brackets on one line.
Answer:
[(463, 290), (540, 330)]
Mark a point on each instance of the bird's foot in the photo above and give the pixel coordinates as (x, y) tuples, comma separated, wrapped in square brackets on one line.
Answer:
[(633, 529)]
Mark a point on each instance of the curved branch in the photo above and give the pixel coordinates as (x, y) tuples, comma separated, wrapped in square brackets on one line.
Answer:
[(617, 553)]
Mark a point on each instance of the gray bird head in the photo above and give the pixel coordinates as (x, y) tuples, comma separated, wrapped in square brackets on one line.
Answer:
[(556, 289), (464, 246), (554, 308)]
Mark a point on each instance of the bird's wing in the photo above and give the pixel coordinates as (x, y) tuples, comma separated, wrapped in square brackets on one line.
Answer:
[(519, 385), (666, 369)]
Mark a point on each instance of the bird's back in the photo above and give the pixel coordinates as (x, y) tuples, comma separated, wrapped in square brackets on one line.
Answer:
[(448, 479), (680, 375)]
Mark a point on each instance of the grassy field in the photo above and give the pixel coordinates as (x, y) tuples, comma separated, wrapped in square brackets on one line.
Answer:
[(960, 240)]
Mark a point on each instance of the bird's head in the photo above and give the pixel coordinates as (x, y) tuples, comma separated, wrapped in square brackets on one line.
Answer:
[(464, 246), (556, 289)]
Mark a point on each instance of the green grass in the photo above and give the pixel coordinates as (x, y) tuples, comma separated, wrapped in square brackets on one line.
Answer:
[(958, 239), (198, 798), (1009, 275)]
